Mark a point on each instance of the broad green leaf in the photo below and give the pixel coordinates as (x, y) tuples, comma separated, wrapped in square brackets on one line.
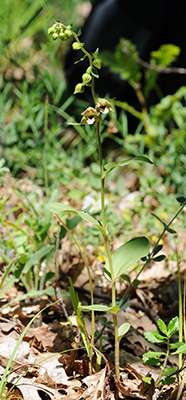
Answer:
[(181, 349), (168, 371), (73, 222), (167, 381), (162, 327), (34, 258), (173, 326), (127, 255), (154, 354), (159, 258), (165, 55), (176, 345), (122, 330), (126, 277), (58, 208), (101, 308), (154, 337), (152, 357), (111, 165), (124, 61)]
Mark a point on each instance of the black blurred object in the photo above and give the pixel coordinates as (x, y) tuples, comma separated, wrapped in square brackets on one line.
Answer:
[(148, 24)]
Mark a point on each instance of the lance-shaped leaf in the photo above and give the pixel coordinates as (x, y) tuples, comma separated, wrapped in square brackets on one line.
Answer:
[(181, 349), (127, 255), (36, 257), (100, 308), (58, 208), (111, 165)]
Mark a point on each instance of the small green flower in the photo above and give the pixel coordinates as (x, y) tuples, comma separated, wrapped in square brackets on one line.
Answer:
[(97, 63), (68, 33), (77, 46), (55, 35), (51, 30), (80, 87), (62, 36), (90, 115), (86, 78), (89, 70), (104, 106)]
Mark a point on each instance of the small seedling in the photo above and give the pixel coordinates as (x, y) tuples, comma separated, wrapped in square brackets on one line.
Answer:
[(160, 358)]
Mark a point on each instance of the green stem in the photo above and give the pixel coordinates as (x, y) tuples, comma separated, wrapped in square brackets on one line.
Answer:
[(102, 175), (130, 109), (90, 62), (165, 361), (45, 145), (88, 271), (105, 237), (180, 356)]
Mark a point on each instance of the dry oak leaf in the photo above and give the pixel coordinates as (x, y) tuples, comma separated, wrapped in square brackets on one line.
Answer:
[(96, 387)]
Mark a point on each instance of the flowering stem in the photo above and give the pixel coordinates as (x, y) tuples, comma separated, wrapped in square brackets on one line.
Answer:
[(105, 237), (90, 62)]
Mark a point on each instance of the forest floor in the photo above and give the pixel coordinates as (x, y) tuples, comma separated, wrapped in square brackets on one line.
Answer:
[(51, 362)]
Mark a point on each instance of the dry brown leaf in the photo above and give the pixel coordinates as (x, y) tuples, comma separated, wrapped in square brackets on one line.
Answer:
[(51, 373), (128, 389), (96, 386), (42, 338), (24, 353)]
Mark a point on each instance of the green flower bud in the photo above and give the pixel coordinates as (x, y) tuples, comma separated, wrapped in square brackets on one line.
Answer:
[(54, 35), (62, 36), (68, 33), (86, 78), (97, 63), (51, 30), (79, 88), (77, 46), (89, 70)]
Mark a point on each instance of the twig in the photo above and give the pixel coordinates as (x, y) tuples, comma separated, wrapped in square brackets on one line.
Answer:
[(58, 293), (56, 259), (158, 68)]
